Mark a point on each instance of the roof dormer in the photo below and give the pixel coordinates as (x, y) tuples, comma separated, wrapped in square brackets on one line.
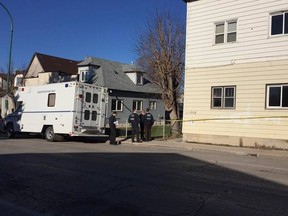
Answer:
[(135, 74), (84, 74), (87, 70)]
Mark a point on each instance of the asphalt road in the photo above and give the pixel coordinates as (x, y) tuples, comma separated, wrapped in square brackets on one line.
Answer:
[(86, 178)]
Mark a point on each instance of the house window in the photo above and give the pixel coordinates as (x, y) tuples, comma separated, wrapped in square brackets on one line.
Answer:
[(84, 76), (223, 97), (279, 23), (139, 79), (152, 105), (137, 105), (226, 32), (277, 96), (117, 105), (51, 100)]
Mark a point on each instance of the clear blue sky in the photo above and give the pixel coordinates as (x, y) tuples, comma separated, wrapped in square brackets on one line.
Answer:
[(76, 29)]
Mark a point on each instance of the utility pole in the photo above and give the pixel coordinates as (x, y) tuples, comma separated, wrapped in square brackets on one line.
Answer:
[(9, 63)]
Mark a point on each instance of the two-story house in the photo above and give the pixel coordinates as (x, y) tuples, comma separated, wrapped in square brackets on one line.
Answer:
[(236, 76), (128, 85)]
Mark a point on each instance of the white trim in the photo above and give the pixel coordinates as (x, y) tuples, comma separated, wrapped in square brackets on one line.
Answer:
[(226, 32), (116, 105), (154, 107), (283, 25), (136, 105), (268, 86), (223, 97)]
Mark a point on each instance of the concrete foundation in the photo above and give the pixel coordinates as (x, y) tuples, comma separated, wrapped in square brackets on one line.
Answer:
[(236, 141)]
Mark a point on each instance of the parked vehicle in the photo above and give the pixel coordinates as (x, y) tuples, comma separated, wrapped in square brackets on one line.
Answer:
[(59, 109)]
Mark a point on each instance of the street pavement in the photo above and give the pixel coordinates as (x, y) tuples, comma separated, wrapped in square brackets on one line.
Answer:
[(157, 178), (178, 143)]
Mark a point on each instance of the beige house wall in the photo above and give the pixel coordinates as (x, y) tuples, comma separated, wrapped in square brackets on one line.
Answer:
[(48, 77), (31, 81), (254, 60), (254, 42), (34, 69), (250, 121)]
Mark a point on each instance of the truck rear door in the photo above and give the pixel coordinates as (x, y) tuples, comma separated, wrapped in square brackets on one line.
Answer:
[(92, 107)]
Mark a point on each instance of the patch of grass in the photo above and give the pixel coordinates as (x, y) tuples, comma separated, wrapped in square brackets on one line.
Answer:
[(157, 131)]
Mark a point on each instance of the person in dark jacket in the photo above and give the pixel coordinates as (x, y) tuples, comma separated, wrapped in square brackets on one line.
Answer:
[(112, 124), (141, 117), (134, 121), (148, 122)]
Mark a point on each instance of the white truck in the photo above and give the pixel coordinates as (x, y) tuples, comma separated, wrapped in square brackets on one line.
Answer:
[(59, 109)]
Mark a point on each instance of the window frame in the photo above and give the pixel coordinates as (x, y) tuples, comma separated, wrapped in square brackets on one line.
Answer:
[(154, 107), (280, 107), (283, 13), (140, 76), (223, 97), (84, 75), (116, 105), (51, 100), (135, 106), (225, 33)]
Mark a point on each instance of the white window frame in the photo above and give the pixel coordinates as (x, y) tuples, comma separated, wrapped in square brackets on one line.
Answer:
[(140, 79), (268, 86), (84, 75), (153, 105), (118, 103), (225, 32), (136, 104), (223, 97), (283, 27)]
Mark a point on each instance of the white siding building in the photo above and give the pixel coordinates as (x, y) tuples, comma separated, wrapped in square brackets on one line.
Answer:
[(236, 76)]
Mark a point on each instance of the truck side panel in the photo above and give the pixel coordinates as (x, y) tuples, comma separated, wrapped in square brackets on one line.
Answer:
[(71, 108), (48, 105)]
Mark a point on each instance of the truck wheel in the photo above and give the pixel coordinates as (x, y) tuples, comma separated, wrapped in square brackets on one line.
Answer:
[(49, 134), (10, 130)]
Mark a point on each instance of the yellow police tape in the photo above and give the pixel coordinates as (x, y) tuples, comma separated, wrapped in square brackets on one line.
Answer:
[(227, 118)]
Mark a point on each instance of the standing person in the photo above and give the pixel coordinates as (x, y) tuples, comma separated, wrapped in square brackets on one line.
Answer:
[(141, 116), (112, 124), (134, 121), (148, 122)]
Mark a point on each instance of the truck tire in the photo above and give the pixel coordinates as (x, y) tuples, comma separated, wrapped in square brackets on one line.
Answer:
[(10, 130), (49, 134)]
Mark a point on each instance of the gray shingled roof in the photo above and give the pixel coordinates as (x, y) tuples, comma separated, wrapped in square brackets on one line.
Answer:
[(112, 75)]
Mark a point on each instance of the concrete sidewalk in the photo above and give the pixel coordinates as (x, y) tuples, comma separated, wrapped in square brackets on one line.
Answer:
[(179, 144)]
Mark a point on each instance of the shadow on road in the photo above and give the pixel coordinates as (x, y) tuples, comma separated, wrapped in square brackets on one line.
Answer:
[(116, 184)]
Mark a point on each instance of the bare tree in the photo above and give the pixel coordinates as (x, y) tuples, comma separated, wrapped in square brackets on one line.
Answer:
[(161, 51)]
